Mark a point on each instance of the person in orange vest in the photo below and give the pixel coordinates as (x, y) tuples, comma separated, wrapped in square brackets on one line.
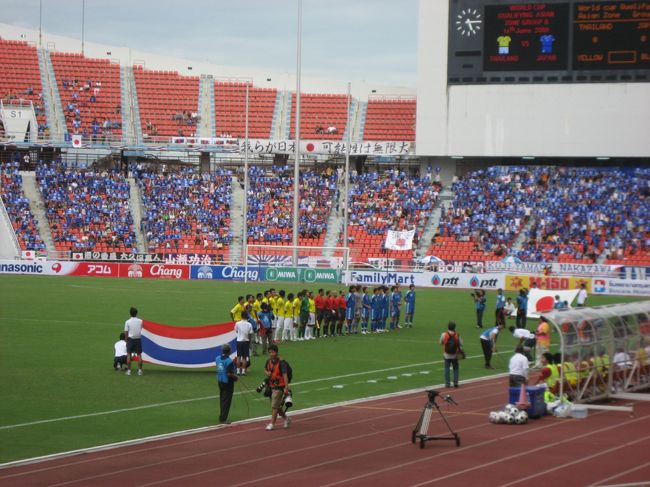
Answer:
[(543, 337), (276, 371)]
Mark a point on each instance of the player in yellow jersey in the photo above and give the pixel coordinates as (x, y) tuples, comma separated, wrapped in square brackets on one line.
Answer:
[(288, 318), (279, 313), (296, 316), (311, 324), (236, 311)]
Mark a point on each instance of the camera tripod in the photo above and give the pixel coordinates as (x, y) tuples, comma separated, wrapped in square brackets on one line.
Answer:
[(422, 428)]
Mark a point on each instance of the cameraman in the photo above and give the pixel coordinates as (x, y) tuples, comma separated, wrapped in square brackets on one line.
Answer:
[(522, 308), (276, 373), (226, 377), (479, 303)]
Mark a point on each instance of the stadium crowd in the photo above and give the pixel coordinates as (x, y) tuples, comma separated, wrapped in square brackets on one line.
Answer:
[(17, 205), (270, 203), (392, 200), (491, 206), (184, 210), (86, 210), (575, 214)]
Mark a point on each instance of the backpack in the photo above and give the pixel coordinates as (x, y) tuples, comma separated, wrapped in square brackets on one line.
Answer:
[(289, 370), (452, 344)]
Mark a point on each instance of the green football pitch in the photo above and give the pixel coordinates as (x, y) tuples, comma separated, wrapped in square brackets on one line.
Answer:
[(60, 392)]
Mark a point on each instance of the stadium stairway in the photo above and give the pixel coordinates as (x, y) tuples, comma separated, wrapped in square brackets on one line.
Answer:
[(334, 228), (207, 126), (129, 131), (236, 222), (9, 247), (51, 98), (135, 203), (37, 206), (519, 241), (430, 230)]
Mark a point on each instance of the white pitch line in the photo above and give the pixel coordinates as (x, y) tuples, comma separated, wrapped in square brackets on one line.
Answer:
[(212, 397)]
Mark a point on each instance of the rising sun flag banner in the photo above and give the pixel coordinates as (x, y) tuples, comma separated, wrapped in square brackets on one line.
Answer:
[(399, 240), (188, 347)]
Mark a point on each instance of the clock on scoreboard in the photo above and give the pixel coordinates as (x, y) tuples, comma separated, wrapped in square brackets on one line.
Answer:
[(496, 41)]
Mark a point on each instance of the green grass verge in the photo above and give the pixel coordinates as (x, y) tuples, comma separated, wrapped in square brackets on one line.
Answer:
[(57, 346)]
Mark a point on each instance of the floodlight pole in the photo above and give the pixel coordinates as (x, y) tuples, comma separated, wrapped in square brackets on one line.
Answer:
[(296, 162), (246, 182), (83, 22), (40, 23), (347, 181)]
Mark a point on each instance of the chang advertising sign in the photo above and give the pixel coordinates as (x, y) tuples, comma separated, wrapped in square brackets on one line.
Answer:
[(226, 273)]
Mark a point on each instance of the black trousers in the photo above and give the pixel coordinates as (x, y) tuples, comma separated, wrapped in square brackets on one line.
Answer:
[(517, 380), (500, 316), (479, 317), (226, 392), (487, 351), (521, 319)]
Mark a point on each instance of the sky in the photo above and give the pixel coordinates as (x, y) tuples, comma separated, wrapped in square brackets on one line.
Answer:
[(374, 40)]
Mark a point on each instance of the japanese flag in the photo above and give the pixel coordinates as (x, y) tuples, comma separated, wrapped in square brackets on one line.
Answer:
[(76, 141), (399, 240)]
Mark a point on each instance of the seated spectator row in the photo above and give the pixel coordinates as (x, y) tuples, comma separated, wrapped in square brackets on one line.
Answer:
[(489, 209), (186, 212), (90, 95), (575, 215), (392, 200), (270, 205), (21, 78), (87, 210), (17, 205)]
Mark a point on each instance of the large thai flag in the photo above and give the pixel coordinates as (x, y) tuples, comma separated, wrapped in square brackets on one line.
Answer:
[(193, 347)]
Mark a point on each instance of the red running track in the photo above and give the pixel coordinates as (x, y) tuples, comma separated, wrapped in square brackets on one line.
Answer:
[(368, 444)]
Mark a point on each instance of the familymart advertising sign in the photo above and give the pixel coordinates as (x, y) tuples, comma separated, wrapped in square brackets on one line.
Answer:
[(299, 274)]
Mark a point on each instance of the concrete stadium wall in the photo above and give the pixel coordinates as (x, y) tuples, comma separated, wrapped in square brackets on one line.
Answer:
[(542, 120)]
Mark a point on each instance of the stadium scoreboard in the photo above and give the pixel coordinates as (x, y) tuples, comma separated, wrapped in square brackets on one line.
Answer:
[(500, 41)]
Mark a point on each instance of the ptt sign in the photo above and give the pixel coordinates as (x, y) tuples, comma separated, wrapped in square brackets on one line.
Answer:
[(438, 281)]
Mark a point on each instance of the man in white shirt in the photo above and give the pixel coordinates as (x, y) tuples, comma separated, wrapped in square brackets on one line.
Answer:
[(518, 368), (582, 296), (526, 340), (133, 331), (119, 360), (244, 330)]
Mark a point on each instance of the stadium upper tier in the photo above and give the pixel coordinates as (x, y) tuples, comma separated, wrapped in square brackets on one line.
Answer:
[(91, 94), (168, 102), (21, 77), (230, 110)]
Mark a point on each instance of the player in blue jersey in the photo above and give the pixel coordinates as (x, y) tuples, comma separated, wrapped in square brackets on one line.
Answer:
[(365, 310), (350, 303), (385, 305), (409, 299), (395, 307), (375, 310)]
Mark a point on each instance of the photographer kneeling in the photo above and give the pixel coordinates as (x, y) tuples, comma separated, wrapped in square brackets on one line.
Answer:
[(276, 371)]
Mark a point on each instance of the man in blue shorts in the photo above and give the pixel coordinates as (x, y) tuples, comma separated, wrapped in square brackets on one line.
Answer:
[(409, 299)]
